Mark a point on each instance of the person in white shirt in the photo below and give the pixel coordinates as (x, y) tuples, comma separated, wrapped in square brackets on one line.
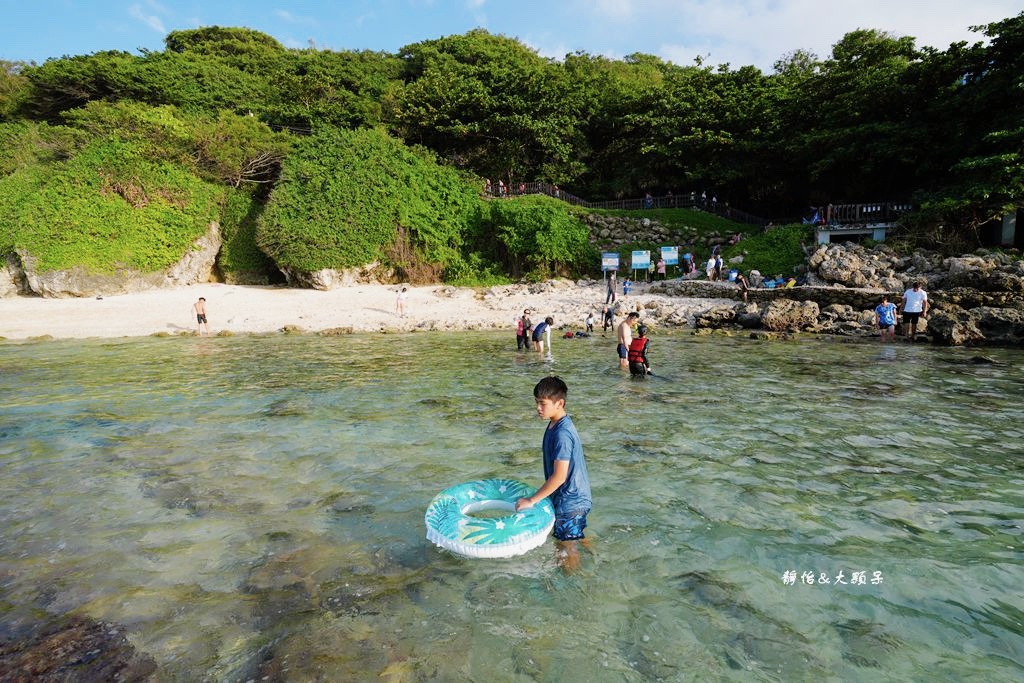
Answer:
[(914, 306)]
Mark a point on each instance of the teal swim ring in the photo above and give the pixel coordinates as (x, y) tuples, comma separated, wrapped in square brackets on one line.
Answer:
[(450, 526)]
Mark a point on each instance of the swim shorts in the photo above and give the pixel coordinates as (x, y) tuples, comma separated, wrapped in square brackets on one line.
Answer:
[(201, 318), (570, 526), (623, 351), (911, 316)]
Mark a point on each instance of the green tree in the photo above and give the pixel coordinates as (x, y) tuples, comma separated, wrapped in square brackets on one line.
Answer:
[(350, 197), (490, 104)]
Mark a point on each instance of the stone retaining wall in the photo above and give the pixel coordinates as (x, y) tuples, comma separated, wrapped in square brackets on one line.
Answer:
[(859, 299)]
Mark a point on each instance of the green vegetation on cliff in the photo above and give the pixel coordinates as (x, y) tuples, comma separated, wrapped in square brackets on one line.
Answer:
[(108, 208), (351, 197), (540, 236)]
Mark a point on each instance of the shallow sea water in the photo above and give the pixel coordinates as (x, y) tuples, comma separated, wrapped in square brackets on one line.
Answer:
[(253, 507)]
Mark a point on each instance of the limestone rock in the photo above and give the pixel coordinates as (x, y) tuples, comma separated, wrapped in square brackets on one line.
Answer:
[(714, 318), (329, 278), (1003, 326), (954, 327), (12, 278), (748, 316), (194, 267), (197, 265), (784, 315)]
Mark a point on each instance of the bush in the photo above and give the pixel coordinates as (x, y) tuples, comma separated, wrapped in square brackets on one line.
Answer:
[(106, 209), (541, 237), (775, 251), (348, 198), (239, 254)]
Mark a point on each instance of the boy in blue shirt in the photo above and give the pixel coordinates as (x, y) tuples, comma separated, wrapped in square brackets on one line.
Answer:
[(886, 314), (565, 472)]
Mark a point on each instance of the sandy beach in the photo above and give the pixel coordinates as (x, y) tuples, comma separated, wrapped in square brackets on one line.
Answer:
[(362, 308)]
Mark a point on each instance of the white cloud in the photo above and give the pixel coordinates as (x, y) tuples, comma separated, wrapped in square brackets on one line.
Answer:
[(287, 16), (616, 9), (760, 32), (550, 50), (153, 21), (476, 8)]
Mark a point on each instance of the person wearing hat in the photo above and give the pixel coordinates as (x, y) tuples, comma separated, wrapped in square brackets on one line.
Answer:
[(638, 363), (523, 329)]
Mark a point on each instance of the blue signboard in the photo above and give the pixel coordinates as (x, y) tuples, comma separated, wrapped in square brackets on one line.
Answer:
[(641, 260), (609, 260), (670, 255)]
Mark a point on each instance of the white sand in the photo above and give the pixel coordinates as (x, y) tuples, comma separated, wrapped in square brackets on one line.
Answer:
[(363, 308)]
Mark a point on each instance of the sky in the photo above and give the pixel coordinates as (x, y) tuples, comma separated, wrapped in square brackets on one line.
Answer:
[(737, 32)]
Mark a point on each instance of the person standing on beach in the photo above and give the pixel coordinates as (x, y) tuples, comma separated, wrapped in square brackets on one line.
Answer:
[(589, 321), (611, 288), (625, 337), (403, 295), (914, 307), (199, 310)]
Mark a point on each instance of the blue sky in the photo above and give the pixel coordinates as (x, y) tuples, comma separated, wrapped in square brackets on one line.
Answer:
[(739, 32)]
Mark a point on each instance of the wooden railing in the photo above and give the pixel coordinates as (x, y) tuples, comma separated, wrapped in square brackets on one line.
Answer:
[(636, 204), (869, 212), (832, 214)]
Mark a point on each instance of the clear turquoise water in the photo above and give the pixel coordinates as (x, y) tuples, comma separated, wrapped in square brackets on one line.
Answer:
[(250, 507)]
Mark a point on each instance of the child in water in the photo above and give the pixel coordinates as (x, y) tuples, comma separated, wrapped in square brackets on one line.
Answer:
[(638, 363), (565, 472)]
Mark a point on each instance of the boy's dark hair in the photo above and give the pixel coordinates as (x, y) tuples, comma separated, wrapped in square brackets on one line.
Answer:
[(202, 298), (552, 388), (549, 320), (633, 314)]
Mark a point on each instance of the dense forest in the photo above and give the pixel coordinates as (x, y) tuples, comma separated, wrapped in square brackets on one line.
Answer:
[(317, 158)]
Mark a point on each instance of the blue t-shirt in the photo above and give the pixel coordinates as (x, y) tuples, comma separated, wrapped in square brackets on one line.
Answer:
[(886, 313), (562, 442), (538, 331)]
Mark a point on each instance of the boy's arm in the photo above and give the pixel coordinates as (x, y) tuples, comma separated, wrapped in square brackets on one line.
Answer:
[(557, 478)]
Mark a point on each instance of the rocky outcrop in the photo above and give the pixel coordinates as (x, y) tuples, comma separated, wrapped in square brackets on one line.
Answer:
[(715, 318), (329, 278), (880, 268), (786, 315), (195, 267), (12, 278)]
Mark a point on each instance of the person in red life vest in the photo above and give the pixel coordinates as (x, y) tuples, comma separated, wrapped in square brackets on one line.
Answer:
[(638, 363)]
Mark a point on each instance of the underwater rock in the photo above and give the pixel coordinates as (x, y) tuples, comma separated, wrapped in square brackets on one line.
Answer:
[(73, 649)]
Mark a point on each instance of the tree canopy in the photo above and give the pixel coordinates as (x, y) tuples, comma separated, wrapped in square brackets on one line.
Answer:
[(879, 118)]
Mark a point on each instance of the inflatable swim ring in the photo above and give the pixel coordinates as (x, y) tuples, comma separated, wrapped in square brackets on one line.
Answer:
[(450, 526)]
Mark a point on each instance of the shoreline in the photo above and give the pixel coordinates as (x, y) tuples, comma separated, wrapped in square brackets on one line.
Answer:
[(254, 309)]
